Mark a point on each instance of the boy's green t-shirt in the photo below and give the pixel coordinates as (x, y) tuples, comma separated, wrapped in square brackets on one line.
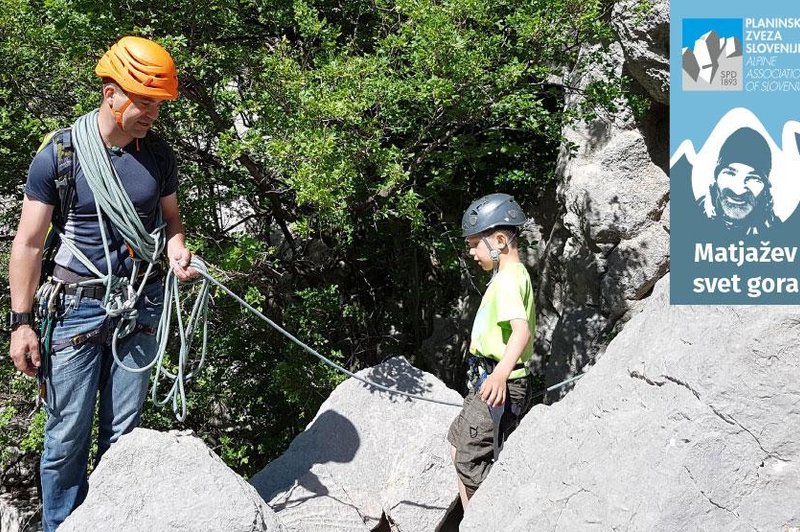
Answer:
[(508, 297)]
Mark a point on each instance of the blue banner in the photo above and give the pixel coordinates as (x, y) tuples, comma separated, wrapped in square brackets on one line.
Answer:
[(735, 163)]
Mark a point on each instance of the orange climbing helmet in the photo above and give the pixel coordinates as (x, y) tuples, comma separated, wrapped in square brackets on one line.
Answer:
[(140, 66)]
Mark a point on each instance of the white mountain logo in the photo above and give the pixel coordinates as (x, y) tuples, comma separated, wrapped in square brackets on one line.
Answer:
[(714, 62)]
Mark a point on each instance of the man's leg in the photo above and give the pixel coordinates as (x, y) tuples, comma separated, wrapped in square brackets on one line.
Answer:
[(122, 392), (71, 391)]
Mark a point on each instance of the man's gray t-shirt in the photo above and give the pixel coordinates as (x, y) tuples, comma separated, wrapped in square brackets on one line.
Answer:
[(147, 174)]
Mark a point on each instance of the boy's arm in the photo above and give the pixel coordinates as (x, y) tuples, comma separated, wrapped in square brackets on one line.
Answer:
[(493, 391)]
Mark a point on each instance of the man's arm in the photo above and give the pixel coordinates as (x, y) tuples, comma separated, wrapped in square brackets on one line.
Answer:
[(179, 257), (24, 267), (493, 391)]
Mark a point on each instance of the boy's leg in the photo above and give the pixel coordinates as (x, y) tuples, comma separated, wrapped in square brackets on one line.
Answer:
[(472, 435), (462, 490), (123, 392), (518, 391), (71, 391)]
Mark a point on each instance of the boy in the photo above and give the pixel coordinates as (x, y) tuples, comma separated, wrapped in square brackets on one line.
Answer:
[(501, 343)]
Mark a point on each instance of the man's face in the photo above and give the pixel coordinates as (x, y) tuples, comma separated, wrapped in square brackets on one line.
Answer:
[(739, 189), (138, 117)]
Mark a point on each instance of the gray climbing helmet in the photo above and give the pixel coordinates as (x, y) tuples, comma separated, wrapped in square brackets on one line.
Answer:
[(494, 210)]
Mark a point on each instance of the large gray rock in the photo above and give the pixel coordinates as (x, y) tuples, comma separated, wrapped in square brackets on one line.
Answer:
[(633, 267), (151, 480), (367, 454), (689, 422), (612, 243), (643, 30), (612, 190), (14, 519), (19, 500)]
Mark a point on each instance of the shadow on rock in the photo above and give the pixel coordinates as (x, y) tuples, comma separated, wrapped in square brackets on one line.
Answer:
[(293, 470), (397, 375)]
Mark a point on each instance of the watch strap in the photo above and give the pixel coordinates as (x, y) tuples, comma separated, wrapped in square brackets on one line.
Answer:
[(20, 318)]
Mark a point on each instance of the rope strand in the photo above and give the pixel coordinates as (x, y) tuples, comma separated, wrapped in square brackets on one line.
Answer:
[(113, 202)]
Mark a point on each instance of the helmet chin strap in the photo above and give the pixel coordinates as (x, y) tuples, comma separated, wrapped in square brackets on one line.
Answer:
[(494, 254), (118, 116)]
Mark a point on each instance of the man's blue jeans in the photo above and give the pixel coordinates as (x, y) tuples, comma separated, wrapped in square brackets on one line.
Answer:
[(77, 375)]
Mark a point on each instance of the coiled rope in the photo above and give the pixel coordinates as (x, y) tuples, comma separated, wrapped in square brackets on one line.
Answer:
[(121, 296)]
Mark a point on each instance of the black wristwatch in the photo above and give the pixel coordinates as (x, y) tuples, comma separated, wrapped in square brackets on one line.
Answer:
[(20, 318)]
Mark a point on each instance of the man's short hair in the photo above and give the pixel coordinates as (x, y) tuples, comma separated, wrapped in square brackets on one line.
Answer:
[(106, 82)]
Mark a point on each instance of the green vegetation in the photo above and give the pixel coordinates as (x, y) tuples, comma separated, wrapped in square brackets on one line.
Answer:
[(351, 134)]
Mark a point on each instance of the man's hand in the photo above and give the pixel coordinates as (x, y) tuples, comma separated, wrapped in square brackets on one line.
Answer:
[(25, 350), (493, 390), (180, 259)]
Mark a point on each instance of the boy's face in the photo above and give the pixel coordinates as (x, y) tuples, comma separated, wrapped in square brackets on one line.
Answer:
[(480, 252)]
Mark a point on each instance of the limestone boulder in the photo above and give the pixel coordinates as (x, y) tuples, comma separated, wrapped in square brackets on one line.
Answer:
[(369, 457), (614, 191), (580, 333), (643, 31), (633, 267), (611, 244), (688, 422), (15, 519), (151, 480)]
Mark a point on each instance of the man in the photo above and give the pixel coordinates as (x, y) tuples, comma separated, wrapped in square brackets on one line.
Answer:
[(138, 75), (740, 197)]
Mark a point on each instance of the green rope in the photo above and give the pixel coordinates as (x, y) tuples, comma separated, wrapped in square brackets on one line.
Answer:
[(109, 193), (113, 203), (311, 351), (242, 302)]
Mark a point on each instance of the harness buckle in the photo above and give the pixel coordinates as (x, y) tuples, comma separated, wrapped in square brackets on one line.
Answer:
[(78, 295)]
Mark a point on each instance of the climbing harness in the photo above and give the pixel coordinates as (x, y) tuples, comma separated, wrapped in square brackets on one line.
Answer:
[(198, 318), (46, 296), (478, 369)]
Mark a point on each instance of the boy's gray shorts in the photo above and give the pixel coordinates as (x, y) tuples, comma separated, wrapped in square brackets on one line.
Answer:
[(472, 433)]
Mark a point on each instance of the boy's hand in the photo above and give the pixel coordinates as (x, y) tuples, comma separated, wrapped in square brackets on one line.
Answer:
[(493, 390)]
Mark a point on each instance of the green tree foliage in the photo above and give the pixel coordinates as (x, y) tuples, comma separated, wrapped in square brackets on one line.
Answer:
[(351, 134)]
